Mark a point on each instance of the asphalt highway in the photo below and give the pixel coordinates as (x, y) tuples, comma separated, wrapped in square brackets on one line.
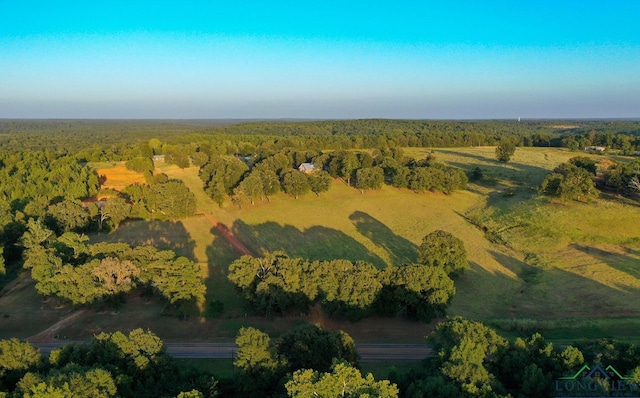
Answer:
[(368, 352)]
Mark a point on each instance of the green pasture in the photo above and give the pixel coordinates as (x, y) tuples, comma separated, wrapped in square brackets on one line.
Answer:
[(569, 270)]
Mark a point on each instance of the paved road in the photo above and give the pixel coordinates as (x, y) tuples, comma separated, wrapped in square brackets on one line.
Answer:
[(368, 352)]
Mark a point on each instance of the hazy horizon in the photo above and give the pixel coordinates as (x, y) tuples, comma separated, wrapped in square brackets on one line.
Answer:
[(268, 61)]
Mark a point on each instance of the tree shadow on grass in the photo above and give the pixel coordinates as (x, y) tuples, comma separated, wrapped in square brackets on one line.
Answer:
[(553, 293), (498, 174), (625, 260), (164, 235), (401, 251), (220, 255), (314, 243)]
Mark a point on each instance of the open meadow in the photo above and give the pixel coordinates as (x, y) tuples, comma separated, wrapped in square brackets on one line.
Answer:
[(569, 270)]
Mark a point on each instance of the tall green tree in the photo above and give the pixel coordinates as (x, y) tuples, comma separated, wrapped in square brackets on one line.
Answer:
[(295, 183), (252, 188), (313, 347), (505, 150), (343, 381), (569, 182), (319, 182), (116, 210), (369, 178), (67, 216), (441, 249)]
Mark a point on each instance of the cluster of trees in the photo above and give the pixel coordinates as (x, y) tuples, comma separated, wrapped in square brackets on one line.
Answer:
[(573, 180), (41, 177), (41, 185), (68, 268), (181, 140), (304, 362), (142, 164), (277, 283), (620, 177), (259, 176), (162, 198), (579, 178), (472, 360), (111, 365), (627, 142)]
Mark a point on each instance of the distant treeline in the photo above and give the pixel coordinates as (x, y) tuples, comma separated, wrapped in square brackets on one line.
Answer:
[(122, 140)]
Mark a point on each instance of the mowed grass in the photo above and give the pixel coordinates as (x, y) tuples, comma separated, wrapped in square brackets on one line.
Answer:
[(578, 263)]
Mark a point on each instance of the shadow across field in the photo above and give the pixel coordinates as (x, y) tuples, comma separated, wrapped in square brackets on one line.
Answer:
[(314, 243), (626, 261), (554, 293), (164, 235), (401, 250)]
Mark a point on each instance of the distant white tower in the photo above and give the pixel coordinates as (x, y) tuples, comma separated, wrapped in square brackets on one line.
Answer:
[(518, 118)]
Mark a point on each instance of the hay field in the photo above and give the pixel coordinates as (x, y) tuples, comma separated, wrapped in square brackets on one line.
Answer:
[(119, 177)]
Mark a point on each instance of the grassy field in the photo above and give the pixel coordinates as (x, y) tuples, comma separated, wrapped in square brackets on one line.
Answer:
[(117, 176), (570, 270)]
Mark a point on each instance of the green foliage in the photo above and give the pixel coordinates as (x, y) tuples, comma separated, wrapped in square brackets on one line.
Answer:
[(251, 188), (116, 210), (140, 165), (319, 181), (295, 183), (442, 249), (257, 361), (83, 274), (112, 364), (343, 381), (190, 394), (416, 291), (313, 347), (163, 198), (505, 150), (69, 382), (68, 216), (226, 170), (369, 178), (622, 177), (466, 350), (43, 176), (585, 163), (569, 182), (254, 351), (277, 283), (18, 355), (176, 155), (476, 174)]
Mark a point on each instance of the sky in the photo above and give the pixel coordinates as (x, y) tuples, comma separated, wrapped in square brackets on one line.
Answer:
[(449, 59)]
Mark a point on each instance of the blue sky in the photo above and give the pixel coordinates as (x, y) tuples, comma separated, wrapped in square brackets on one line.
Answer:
[(329, 59)]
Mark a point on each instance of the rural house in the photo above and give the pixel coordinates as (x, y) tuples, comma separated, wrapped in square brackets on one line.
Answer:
[(307, 168)]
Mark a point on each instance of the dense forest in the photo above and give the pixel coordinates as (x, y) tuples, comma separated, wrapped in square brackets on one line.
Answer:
[(120, 140)]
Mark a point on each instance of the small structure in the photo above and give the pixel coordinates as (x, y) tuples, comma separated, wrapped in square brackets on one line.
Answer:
[(307, 168), (158, 158), (597, 149)]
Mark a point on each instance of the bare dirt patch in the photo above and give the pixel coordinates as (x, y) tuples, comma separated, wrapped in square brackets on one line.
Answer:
[(50, 333)]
